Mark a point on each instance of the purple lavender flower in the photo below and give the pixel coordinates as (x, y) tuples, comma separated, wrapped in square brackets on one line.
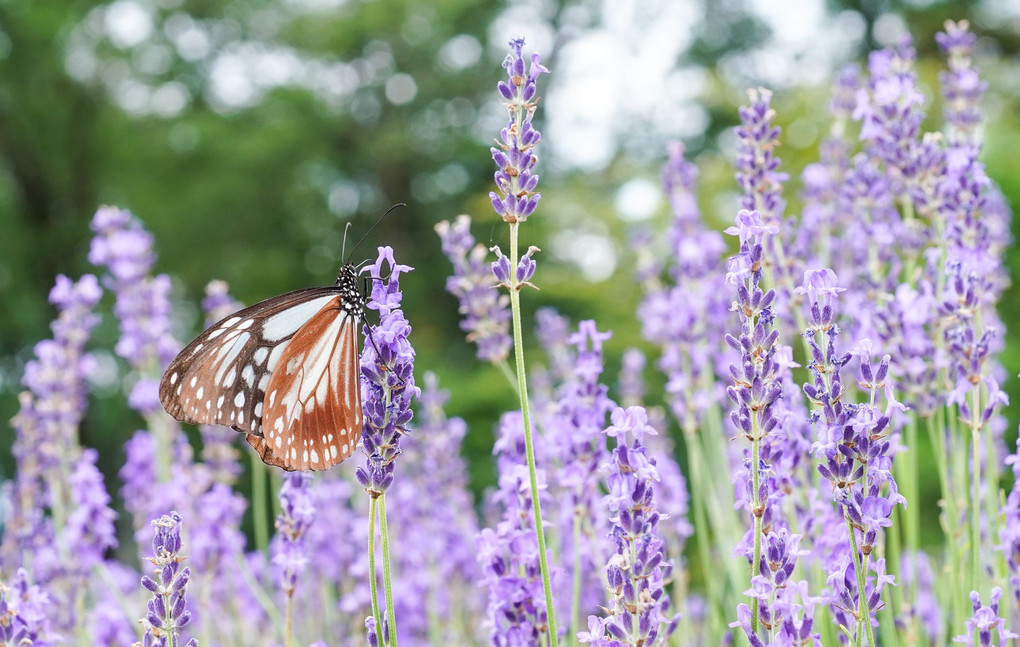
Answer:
[(90, 526), (580, 449), (46, 427), (962, 87), (485, 310), (985, 620), (297, 513), (890, 108), (387, 376), (514, 157), (508, 554), (124, 248), (757, 163), (631, 381), (638, 571), (681, 317), (167, 610), (24, 613), (437, 579)]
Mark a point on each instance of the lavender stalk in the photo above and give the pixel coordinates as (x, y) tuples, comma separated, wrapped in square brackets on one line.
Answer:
[(516, 201), (387, 376)]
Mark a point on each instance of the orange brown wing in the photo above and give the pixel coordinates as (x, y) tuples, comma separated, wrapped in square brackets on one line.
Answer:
[(311, 417)]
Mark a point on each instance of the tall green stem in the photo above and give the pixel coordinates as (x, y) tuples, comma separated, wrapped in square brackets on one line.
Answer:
[(391, 617), (288, 631), (756, 511), (863, 613), (258, 503), (522, 390), (575, 598), (373, 585)]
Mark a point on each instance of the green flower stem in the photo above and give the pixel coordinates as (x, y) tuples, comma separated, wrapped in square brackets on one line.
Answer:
[(975, 504), (288, 631), (260, 520), (575, 598), (863, 614), (522, 390), (373, 585), (391, 617), (756, 511)]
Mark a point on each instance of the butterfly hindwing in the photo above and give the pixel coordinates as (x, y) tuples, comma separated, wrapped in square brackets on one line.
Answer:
[(312, 402), (221, 376)]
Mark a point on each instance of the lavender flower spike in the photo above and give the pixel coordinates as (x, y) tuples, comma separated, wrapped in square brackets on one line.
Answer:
[(387, 376), (984, 621), (514, 157), (962, 87), (296, 515), (167, 610), (486, 311), (637, 572)]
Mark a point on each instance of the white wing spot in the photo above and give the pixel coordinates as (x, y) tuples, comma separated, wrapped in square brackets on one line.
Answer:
[(330, 438), (279, 441), (240, 417), (232, 414), (173, 379), (248, 375), (315, 456), (245, 324), (208, 404), (264, 382), (272, 398), (194, 380), (258, 410), (228, 381), (198, 394), (261, 354), (332, 450), (219, 403), (344, 450), (304, 455), (293, 454), (239, 399)]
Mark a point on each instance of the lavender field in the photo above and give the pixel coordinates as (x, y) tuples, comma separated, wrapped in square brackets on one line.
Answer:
[(822, 369)]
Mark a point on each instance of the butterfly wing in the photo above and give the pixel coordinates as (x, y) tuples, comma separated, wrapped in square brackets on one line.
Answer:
[(312, 418), (221, 377)]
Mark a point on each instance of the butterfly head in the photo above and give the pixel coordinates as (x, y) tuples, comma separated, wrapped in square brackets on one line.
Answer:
[(347, 281)]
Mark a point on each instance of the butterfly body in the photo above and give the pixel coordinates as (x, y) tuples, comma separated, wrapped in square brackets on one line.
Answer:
[(285, 372)]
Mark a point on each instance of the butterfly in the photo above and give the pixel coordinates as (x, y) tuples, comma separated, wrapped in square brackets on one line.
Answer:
[(284, 372)]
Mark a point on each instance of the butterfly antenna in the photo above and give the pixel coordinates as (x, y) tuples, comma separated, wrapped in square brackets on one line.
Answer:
[(371, 229), (343, 245)]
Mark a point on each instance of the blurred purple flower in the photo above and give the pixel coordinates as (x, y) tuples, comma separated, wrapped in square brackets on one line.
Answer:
[(508, 554), (486, 311), (438, 577), (46, 429), (297, 514), (124, 248), (984, 621), (962, 87)]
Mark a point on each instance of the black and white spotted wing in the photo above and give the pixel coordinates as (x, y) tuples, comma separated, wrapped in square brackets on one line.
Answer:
[(223, 376)]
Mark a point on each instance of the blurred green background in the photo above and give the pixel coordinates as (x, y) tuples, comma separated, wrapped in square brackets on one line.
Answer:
[(246, 134)]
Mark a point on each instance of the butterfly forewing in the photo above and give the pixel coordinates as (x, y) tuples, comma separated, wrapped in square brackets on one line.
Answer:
[(221, 376), (312, 403)]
